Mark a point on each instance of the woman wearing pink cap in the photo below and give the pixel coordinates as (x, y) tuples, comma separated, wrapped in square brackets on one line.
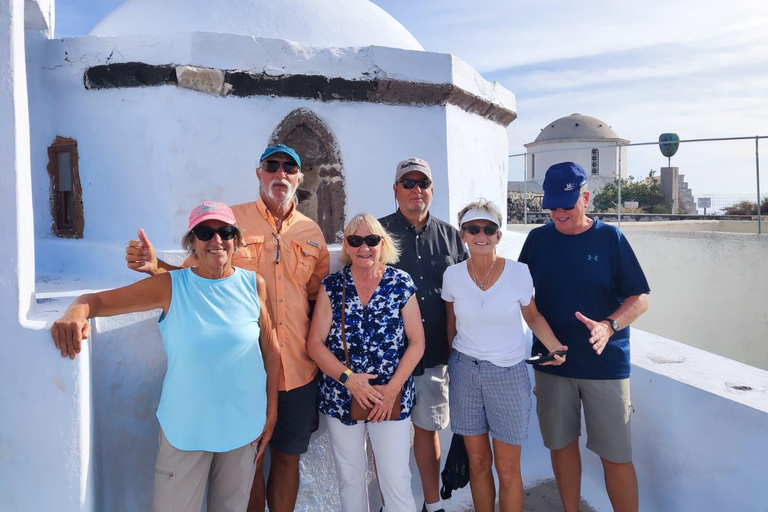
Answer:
[(219, 401)]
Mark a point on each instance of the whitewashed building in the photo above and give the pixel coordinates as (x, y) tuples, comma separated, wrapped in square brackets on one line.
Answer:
[(165, 104), (586, 140)]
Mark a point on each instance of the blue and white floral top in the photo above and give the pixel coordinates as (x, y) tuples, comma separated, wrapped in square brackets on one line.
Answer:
[(375, 338)]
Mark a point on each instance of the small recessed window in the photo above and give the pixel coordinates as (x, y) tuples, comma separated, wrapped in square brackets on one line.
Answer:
[(66, 192), (595, 161), (533, 166)]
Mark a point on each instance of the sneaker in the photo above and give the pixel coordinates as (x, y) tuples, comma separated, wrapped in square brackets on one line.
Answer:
[(424, 508)]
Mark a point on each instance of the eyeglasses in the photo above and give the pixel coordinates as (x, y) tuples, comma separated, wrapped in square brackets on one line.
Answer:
[(272, 166), (488, 229), (205, 233), (409, 183), (277, 248), (570, 207), (357, 241)]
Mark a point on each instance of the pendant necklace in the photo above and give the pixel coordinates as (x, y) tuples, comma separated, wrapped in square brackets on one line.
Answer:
[(477, 278)]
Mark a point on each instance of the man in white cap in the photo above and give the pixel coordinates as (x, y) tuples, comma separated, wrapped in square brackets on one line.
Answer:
[(288, 249), (428, 246), (589, 287)]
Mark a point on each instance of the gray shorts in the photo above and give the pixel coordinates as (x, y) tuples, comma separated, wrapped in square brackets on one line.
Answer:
[(431, 409), (607, 409), (181, 478), (489, 398)]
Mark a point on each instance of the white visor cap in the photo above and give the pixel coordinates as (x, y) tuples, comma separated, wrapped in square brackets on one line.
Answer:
[(478, 215)]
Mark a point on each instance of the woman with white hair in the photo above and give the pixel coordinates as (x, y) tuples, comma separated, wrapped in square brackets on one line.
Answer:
[(490, 391), (358, 339)]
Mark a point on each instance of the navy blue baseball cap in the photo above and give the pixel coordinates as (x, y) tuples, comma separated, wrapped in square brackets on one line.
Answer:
[(280, 148), (562, 185)]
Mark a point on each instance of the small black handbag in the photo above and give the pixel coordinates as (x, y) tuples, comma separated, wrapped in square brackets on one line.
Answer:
[(455, 475)]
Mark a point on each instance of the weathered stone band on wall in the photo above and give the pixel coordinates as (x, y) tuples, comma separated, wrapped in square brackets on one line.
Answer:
[(129, 74), (313, 87)]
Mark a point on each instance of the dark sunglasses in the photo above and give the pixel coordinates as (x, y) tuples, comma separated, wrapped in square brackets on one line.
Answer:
[(272, 166), (409, 183), (488, 229), (357, 241), (205, 233), (570, 207)]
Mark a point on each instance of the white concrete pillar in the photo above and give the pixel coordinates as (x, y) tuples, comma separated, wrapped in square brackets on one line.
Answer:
[(46, 459), (17, 250)]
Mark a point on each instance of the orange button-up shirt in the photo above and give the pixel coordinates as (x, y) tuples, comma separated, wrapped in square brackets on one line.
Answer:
[(293, 262)]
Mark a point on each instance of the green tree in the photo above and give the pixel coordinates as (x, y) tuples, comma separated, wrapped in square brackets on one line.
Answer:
[(647, 193), (747, 208)]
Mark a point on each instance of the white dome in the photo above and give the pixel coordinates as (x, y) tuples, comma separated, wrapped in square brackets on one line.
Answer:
[(325, 23), (576, 126)]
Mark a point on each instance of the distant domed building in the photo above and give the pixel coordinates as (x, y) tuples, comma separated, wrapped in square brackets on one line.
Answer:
[(586, 140)]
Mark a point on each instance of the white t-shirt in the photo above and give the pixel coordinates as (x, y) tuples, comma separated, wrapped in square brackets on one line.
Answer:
[(488, 323)]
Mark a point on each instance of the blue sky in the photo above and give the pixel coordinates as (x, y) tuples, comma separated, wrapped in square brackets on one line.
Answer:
[(695, 67)]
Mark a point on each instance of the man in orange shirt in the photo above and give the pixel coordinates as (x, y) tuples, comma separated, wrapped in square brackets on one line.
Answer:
[(288, 249)]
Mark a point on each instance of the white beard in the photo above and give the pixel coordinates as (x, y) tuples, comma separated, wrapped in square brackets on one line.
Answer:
[(288, 197)]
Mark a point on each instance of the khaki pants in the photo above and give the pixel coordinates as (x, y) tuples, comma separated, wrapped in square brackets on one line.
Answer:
[(181, 478)]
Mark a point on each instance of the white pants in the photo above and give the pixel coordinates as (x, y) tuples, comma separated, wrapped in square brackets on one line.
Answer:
[(391, 441)]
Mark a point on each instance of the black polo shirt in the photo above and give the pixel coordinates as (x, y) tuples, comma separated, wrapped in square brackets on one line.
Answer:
[(425, 256)]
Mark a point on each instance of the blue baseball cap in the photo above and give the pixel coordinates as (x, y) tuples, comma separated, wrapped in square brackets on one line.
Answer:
[(562, 185), (280, 148)]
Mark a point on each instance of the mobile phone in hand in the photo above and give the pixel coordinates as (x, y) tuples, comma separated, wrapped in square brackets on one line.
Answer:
[(544, 358)]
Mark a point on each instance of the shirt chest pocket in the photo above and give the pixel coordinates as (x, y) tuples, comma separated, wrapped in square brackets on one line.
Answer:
[(438, 264), (252, 252), (305, 256)]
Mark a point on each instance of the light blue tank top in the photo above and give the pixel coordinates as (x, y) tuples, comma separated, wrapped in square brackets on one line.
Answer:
[(214, 394)]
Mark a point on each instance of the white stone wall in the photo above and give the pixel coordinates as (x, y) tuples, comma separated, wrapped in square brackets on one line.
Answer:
[(45, 455), (148, 155), (474, 169)]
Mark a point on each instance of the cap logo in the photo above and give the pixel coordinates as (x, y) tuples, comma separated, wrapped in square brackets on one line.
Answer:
[(409, 164), (569, 187)]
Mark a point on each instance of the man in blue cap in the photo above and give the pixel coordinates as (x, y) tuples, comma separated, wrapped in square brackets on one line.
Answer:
[(590, 287), (288, 249)]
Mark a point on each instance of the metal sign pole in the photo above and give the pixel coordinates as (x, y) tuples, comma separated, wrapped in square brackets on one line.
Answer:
[(525, 189), (757, 172), (618, 175)]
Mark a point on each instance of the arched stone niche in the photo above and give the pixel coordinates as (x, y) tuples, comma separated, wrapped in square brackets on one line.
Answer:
[(322, 195)]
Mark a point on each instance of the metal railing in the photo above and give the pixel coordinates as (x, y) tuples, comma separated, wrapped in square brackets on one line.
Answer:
[(618, 147)]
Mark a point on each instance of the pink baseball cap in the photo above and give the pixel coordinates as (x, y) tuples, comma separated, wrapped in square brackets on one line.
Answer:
[(211, 210)]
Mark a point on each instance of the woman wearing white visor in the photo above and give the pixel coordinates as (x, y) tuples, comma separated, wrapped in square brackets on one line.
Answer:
[(490, 392)]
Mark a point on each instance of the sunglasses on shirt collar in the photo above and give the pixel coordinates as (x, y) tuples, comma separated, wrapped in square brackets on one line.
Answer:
[(488, 229), (272, 166), (205, 233), (357, 241), (409, 183)]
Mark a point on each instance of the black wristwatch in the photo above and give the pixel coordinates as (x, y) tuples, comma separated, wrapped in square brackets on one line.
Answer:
[(344, 377), (614, 324)]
